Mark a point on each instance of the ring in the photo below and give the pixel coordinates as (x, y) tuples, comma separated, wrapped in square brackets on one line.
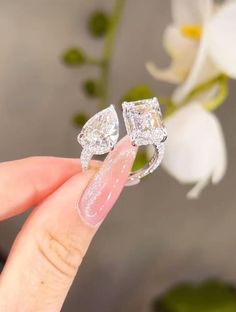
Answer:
[(144, 126)]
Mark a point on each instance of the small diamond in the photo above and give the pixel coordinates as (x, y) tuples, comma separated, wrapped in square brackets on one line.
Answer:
[(143, 122)]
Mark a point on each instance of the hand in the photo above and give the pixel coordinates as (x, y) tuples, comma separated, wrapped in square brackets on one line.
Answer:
[(69, 207)]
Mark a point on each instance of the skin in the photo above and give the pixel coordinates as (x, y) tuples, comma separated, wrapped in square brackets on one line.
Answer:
[(48, 251), (50, 247)]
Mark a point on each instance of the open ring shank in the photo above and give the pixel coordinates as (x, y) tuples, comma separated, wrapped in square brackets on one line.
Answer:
[(155, 161)]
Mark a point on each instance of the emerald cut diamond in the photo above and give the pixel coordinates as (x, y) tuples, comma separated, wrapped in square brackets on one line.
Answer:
[(143, 122)]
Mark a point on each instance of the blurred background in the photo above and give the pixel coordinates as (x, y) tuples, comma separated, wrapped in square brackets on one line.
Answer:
[(154, 237)]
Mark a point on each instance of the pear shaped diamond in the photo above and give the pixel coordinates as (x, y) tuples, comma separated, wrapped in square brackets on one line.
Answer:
[(99, 135)]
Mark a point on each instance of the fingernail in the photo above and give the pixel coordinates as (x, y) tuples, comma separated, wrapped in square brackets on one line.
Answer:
[(106, 186)]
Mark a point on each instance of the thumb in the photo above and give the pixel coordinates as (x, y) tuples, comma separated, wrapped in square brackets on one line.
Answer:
[(50, 247)]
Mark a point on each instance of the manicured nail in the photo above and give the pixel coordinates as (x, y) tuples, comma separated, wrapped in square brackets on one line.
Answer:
[(107, 184)]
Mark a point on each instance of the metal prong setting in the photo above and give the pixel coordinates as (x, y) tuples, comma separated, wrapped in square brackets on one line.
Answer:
[(144, 127)]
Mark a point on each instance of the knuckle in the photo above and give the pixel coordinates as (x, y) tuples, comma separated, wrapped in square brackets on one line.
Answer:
[(63, 253)]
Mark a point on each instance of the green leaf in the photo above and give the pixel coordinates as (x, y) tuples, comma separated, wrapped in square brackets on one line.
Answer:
[(139, 92), (98, 24), (140, 161), (74, 57), (79, 120), (91, 88), (210, 296)]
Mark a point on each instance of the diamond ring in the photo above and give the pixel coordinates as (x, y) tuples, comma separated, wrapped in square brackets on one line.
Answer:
[(144, 125)]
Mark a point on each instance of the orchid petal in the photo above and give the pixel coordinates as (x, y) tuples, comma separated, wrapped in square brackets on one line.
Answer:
[(190, 12), (221, 163), (167, 74), (203, 70), (194, 193), (195, 149), (182, 52), (176, 45), (222, 39)]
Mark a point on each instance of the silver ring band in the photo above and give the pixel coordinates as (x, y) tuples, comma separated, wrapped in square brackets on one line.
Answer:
[(136, 176)]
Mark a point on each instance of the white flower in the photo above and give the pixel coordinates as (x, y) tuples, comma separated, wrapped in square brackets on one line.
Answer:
[(195, 148), (201, 43)]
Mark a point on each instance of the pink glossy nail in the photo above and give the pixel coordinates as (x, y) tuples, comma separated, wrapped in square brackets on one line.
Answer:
[(106, 186)]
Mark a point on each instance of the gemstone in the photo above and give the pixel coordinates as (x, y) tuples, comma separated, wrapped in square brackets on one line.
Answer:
[(143, 122), (100, 133)]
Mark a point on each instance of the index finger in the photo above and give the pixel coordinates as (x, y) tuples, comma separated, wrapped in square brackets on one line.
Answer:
[(26, 182)]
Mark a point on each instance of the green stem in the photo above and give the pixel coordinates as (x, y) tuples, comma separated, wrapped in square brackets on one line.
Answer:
[(220, 97), (93, 61), (220, 80), (108, 49), (201, 88)]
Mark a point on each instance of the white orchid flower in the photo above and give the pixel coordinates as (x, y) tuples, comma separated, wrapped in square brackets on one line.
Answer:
[(195, 148), (201, 43)]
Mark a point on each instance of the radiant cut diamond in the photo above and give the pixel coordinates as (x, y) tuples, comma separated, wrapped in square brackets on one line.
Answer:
[(143, 122)]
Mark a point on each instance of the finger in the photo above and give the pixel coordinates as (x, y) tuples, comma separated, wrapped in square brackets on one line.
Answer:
[(25, 182), (54, 240)]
